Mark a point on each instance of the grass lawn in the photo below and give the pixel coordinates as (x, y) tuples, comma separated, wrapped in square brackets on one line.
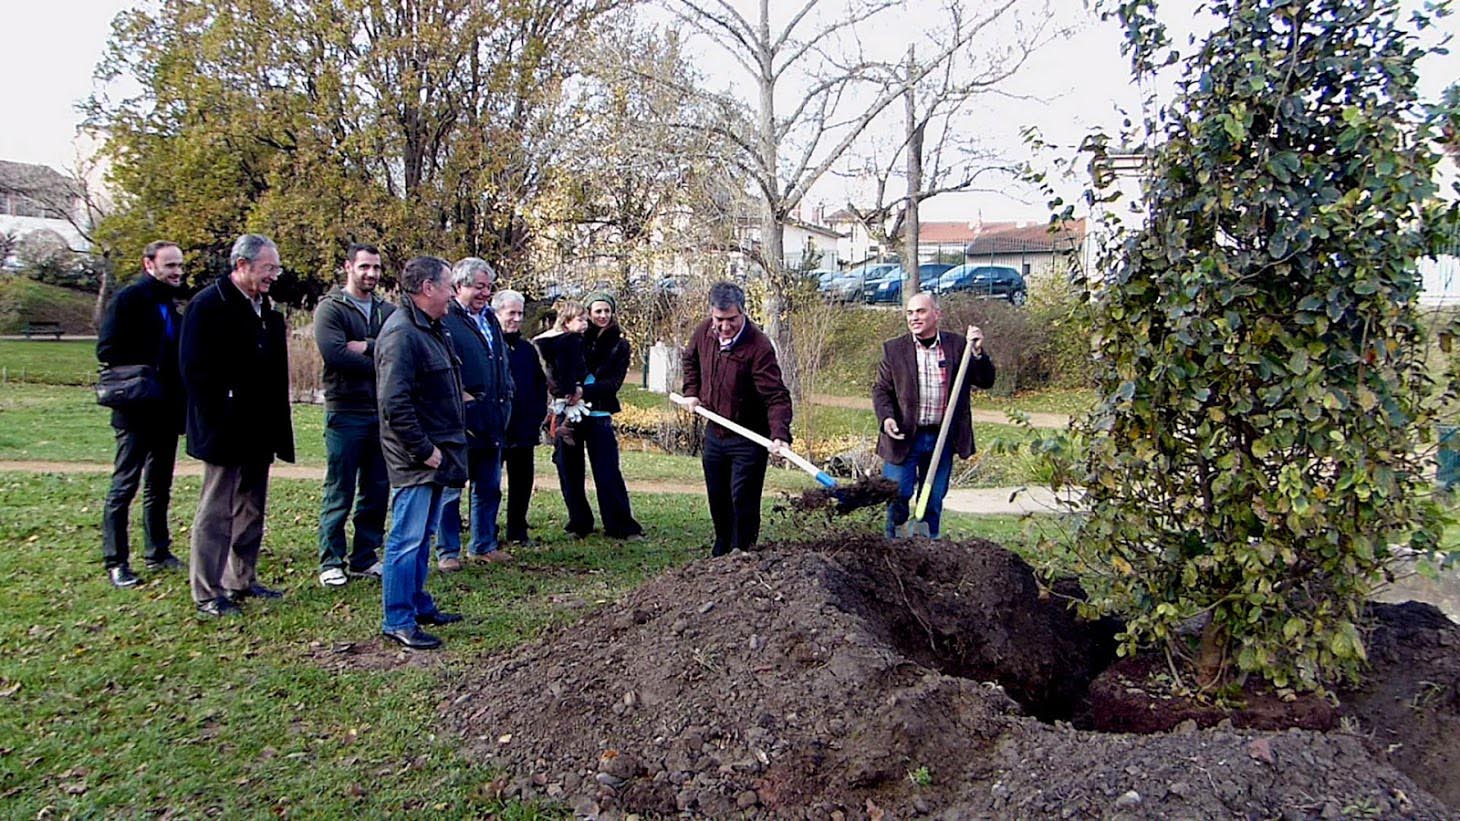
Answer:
[(121, 702), (48, 361), (58, 423)]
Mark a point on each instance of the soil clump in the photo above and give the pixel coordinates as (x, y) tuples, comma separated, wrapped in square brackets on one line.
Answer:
[(868, 491), (863, 677)]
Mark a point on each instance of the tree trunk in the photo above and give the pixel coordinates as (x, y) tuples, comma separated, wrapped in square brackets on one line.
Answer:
[(1211, 658), (103, 294), (778, 303), (773, 230), (910, 226)]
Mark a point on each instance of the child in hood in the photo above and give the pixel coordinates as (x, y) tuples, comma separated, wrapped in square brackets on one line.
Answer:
[(564, 360)]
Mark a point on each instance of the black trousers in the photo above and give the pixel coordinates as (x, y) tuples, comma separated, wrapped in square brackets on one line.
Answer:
[(145, 457), (518, 470), (595, 436), (734, 477)]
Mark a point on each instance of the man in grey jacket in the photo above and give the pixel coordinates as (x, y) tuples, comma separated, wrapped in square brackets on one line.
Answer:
[(346, 324), (423, 435)]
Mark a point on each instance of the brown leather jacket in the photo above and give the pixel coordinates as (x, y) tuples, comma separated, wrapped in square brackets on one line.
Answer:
[(742, 384), (895, 394)]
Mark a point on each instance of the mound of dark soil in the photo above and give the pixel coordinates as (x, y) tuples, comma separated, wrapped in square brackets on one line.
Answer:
[(1408, 708), (865, 678)]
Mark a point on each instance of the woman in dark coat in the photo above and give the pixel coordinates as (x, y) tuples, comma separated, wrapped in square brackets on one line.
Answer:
[(607, 355)]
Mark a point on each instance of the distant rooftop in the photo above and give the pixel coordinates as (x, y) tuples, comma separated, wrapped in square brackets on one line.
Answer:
[(40, 182)]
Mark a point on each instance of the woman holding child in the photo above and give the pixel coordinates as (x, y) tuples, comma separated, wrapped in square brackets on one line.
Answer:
[(586, 424)]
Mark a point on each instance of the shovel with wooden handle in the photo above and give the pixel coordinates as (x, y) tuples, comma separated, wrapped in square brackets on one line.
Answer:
[(816, 473), (925, 492)]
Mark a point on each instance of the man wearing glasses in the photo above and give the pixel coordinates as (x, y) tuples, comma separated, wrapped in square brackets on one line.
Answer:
[(235, 368)]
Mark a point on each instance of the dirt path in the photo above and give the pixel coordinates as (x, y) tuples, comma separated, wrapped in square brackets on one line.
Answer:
[(990, 501), (990, 417)]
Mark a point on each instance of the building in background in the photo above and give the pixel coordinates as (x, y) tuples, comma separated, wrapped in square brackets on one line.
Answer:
[(40, 204)]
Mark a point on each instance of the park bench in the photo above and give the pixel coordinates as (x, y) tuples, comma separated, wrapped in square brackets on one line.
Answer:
[(42, 329)]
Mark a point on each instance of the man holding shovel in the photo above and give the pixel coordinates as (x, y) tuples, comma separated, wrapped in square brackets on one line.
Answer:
[(731, 369), (921, 398)]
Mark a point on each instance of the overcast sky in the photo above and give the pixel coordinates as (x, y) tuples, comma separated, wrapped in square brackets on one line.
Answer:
[(49, 48)]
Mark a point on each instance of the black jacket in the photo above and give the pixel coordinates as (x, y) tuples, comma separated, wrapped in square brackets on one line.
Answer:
[(349, 377), (418, 382), (235, 366), (607, 354), (562, 354), (529, 393), (135, 332), (484, 374)]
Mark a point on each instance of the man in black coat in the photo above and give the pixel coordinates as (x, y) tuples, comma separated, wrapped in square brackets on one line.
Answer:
[(477, 338), (529, 409), (346, 324), (423, 434), (141, 327), (235, 367)]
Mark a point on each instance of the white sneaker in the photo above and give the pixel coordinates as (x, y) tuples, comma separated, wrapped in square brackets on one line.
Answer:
[(371, 572), (333, 577)]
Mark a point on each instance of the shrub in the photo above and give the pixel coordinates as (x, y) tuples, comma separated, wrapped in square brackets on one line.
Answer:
[(306, 366), (1014, 339), (1058, 312), (1258, 447)]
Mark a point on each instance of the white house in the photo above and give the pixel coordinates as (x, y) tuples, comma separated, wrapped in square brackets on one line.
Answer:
[(40, 198)]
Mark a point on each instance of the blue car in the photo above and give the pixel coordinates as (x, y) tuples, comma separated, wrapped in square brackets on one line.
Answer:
[(889, 290)]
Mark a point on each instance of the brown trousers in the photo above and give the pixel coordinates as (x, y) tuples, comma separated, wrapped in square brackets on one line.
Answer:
[(228, 529)]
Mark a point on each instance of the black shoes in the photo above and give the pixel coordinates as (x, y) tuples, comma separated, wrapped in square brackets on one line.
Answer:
[(166, 562), (413, 637), (254, 591), (219, 608), (438, 618), (122, 576)]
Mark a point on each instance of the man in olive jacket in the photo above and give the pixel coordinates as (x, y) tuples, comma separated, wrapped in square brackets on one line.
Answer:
[(423, 435), (346, 324), (235, 366), (911, 398)]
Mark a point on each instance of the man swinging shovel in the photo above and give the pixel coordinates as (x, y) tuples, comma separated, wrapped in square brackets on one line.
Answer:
[(914, 392)]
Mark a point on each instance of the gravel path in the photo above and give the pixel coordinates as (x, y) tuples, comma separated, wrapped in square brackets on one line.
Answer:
[(990, 501)]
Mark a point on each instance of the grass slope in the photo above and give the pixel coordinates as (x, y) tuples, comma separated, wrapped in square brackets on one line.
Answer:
[(24, 300)]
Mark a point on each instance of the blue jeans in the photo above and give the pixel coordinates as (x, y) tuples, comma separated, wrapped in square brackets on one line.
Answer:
[(915, 469), (352, 460), (415, 513), (484, 470)]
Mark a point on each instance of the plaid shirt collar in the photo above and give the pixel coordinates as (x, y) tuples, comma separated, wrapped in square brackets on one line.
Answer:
[(932, 382)]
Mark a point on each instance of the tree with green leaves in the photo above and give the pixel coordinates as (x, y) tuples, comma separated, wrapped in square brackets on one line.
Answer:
[(416, 125), (1258, 453)]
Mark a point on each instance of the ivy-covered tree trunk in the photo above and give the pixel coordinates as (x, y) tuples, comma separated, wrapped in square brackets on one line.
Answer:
[(1259, 447)]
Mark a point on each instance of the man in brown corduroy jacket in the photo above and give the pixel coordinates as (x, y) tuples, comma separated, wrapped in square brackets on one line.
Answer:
[(731, 369)]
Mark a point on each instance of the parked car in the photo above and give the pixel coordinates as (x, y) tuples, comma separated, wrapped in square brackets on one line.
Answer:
[(986, 281), (889, 291), (823, 277), (848, 286)]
